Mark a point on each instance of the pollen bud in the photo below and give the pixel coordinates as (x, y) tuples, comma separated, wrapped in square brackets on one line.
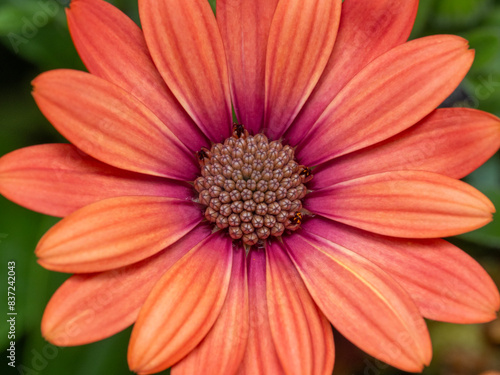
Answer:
[(251, 187), (239, 131), (203, 155), (305, 174)]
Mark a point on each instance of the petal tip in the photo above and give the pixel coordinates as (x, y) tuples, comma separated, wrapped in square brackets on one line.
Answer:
[(49, 337), (496, 304), (136, 363), (52, 264), (460, 40), (42, 251), (48, 266), (55, 334), (418, 366), (37, 80)]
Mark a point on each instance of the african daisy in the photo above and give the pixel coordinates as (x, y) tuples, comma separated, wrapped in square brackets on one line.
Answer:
[(232, 248)]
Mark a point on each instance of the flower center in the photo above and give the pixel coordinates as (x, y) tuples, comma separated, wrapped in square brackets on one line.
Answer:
[(252, 186)]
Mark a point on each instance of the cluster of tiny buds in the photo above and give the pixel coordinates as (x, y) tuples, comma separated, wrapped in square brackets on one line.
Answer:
[(251, 186)]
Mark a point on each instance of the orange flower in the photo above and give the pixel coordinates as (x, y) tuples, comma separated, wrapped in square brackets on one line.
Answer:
[(214, 240)]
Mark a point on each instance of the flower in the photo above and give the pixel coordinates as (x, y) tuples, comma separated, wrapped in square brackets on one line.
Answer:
[(211, 237)]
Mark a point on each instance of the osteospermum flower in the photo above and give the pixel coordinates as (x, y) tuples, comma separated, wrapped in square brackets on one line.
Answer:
[(232, 247)]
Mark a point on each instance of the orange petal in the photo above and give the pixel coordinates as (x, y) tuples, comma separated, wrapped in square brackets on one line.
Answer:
[(244, 26), (302, 335), (410, 204), (367, 30), (182, 307), (260, 356), (109, 124), (389, 95), (228, 336), (363, 303), (187, 48), (445, 283), (92, 307), (300, 42), (450, 141), (115, 232), (112, 47), (58, 179)]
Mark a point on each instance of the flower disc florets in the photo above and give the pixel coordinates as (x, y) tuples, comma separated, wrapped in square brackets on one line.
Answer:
[(251, 186)]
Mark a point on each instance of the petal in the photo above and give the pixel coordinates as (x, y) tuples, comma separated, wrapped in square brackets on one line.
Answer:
[(58, 179), (302, 335), (363, 303), (228, 336), (187, 48), (92, 307), (112, 47), (367, 30), (109, 124), (244, 26), (260, 356), (445, 283), (300, 42), (450, 141), (182, 307), (404, 204), (389, 95), (116, 232)]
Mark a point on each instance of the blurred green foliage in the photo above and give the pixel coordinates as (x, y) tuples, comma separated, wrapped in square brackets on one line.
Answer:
[(34, 38)]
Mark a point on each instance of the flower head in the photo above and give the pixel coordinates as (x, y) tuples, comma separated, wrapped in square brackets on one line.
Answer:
[(232, 247)]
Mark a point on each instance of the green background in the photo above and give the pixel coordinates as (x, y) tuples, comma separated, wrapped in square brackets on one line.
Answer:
[(458, 349)]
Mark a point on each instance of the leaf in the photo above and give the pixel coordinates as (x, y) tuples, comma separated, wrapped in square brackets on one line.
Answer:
[(460, 13), (425, 11), (486, 42)]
